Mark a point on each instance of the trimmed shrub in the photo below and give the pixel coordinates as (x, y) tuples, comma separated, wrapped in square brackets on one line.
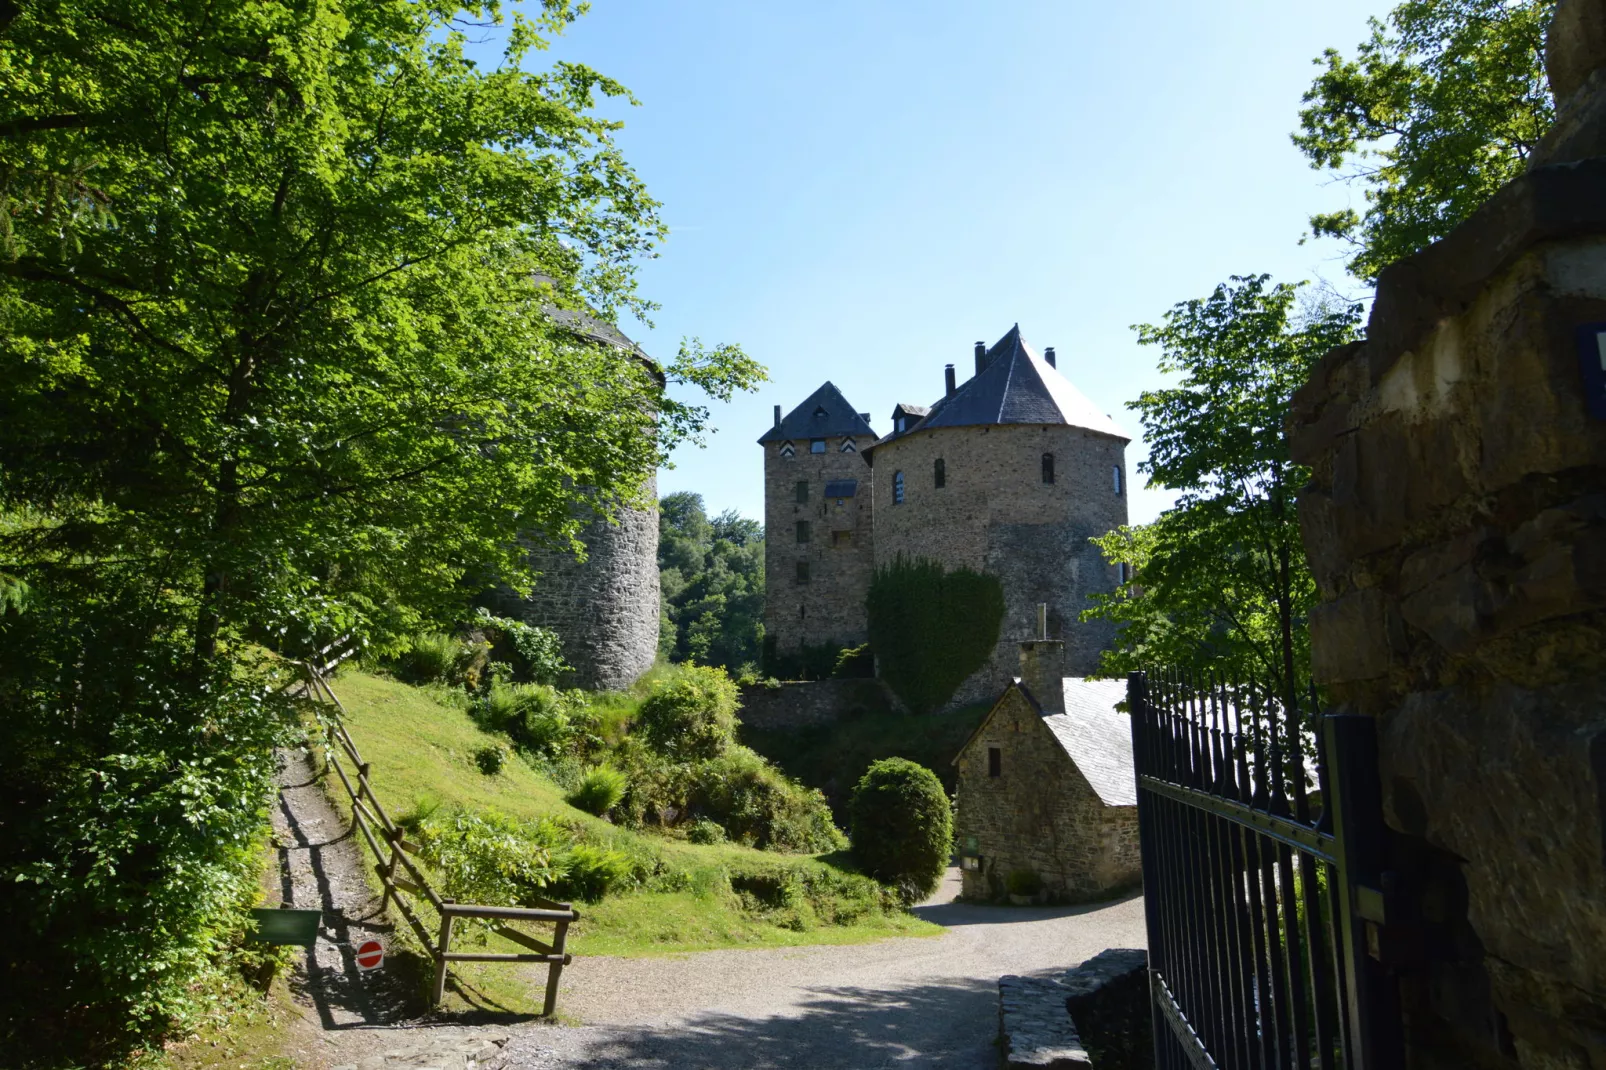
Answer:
[(1023, 882), (902, 826), (930, 629), (691, 714), (600, 790)]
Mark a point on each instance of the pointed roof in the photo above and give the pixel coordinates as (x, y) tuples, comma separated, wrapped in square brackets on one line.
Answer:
[(823, 414), (1095, 735), (1016, 386)]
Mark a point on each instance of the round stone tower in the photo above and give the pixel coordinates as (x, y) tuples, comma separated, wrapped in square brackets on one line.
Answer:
[(1009, 474)]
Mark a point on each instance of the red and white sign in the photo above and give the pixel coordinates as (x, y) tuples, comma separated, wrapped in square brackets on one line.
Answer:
[(370, 955)]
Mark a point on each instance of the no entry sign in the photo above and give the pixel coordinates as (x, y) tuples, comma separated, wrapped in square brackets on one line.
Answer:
[(370, 955)]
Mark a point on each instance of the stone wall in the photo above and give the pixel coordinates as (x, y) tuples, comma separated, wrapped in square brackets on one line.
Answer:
[(995, 515), (1039, 813), (1456, 526), (802, 705), (840, 551), (605, 607)]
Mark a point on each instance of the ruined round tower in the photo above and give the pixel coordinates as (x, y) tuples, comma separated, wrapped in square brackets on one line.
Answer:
[(1010, 473)]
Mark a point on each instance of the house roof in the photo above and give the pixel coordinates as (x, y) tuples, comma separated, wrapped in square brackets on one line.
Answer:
[(1015, 386), (823, 414), (1092, 732), (1098, 737)]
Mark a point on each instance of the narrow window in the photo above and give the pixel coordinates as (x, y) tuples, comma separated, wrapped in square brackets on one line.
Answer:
[(897, 425), (995, 761), (802, 531), (939, 473), (897, 488), (802, 491), (802, 578), (1116, 472), (1048, 468), (1120, 572), (816, 445)]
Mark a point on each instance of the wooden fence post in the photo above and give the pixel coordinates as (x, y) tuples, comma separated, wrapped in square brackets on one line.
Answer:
[(440, 955), (560, 938)]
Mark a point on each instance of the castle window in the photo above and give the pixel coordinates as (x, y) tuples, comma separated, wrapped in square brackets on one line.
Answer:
[(897, 488), (841, 538), (995, 761), (847, 446), (802, 491), (802, 531), (901, 424), (1048, 468), (939, 473), (1120, 572), (802, 577), (816, 445), (1116, 472)]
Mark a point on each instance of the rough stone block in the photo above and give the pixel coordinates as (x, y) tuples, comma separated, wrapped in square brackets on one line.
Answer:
[(1354, 638)]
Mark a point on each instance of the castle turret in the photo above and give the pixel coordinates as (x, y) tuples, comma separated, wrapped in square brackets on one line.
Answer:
[(818, 535)]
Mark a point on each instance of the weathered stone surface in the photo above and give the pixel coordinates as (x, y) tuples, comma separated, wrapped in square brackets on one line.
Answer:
[(1034, 1027), (1456, 525), (1107, 998), (801, 705)]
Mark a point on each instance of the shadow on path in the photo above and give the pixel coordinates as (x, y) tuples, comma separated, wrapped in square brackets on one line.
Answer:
[(953, 914)]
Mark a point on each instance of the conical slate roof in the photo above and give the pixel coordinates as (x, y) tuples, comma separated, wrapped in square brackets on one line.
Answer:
[(823, 414), (1016, 386)]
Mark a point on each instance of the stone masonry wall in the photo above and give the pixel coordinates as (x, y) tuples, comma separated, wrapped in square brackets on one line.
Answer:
[(604, 608), (1039, 813), (1456, 526), (802, 705), (995, 515), (840, 552)]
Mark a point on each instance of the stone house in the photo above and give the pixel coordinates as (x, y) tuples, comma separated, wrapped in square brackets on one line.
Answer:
[(1009, 473), (1046, 784)]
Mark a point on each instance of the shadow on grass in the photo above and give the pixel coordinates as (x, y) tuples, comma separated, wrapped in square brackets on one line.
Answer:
[(947, 1024)]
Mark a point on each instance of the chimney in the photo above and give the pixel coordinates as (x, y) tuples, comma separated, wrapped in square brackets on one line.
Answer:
[(948, 378), (1048, 355), (777, 416), (981, 356), (1042, 666)]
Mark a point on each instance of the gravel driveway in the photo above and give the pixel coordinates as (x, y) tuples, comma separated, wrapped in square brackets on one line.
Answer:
[(907, 1002)]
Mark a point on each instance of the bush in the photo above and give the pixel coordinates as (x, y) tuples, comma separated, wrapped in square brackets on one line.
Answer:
[(594, 871), (759, 805), (491, 758), (855, 663), (432, 657), (902, 826), (1023, 882), (535, 655), (691, 714), (600, 790), (705, 831), (930, 629), (494, 860)]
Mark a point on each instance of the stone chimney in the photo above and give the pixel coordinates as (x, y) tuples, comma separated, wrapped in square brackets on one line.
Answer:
[(1048, 355), (1042, 666), (777, 416), (948, 379), (981, 356)]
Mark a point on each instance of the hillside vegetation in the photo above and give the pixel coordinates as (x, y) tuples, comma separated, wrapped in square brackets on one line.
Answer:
[(664, 894)]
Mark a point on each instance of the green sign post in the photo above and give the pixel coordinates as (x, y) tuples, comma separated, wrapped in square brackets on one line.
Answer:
[(285, 926)]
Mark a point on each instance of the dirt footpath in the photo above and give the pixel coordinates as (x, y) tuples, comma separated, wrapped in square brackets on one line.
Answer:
[(906, 1003)]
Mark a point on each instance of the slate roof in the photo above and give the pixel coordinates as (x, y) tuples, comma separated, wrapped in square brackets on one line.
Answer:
[(841, 488), (823, 414), (1016, 386), (1098, 737)]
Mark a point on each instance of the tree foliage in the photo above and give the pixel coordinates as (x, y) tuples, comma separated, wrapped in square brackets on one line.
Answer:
[(902, 826), (711, 578), (931, 628), (283, 354), (1220, 582), (1438, 109)]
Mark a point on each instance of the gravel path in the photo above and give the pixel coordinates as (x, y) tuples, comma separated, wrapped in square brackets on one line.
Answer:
[(907, 1003)]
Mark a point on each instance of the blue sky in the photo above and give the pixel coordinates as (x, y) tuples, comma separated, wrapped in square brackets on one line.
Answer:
[(858, 192)]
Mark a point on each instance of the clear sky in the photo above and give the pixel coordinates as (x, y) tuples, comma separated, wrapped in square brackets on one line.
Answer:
[(860, 191)]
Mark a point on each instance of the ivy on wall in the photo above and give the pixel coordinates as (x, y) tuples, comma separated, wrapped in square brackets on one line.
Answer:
[(930, 628)]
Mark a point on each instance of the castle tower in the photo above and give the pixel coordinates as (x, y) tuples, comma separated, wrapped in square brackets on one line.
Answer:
[(1010, 474), (818, 532)]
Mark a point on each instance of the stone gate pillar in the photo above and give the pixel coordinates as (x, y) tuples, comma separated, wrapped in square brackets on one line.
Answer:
[(1456, 526)]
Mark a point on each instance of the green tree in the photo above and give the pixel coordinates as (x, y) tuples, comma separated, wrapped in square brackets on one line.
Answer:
[(1440, 107), (711, 576), (1219, 581), (288, 294)]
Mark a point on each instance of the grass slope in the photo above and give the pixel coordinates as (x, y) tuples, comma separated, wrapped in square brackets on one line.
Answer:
[(422, 750)]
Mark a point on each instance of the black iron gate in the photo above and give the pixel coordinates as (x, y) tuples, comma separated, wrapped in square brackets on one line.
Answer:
[(1262, 880)]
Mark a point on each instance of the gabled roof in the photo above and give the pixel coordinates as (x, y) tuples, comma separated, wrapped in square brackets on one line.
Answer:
[(1092, 732), (823, 414), (1015, 386), (903, 408)]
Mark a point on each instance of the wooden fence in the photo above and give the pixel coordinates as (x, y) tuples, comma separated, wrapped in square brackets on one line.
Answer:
[(400, 874)]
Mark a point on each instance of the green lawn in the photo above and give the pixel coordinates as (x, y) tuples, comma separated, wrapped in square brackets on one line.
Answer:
[(716, 896)]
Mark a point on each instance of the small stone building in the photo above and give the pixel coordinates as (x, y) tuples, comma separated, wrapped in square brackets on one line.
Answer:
[(1046, 784)]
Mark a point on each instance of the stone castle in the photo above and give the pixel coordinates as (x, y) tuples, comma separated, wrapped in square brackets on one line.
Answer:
[(1009, 473)]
